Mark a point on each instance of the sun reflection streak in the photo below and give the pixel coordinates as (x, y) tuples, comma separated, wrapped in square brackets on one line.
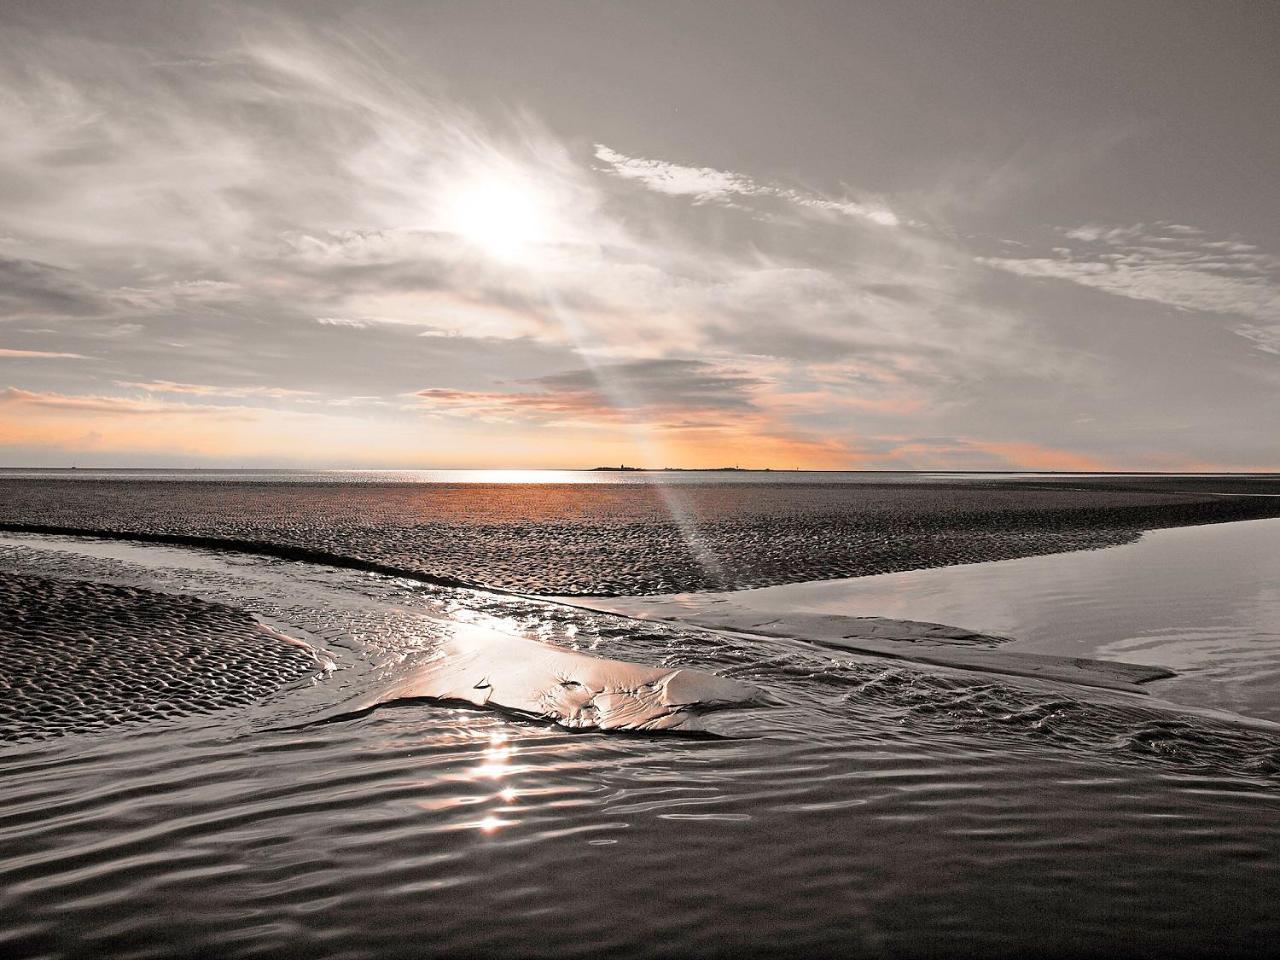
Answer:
[(621, 397), (514, 215), (496, 764), (497, 758)]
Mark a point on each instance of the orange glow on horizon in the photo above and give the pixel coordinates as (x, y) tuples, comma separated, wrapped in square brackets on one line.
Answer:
[(288, 437)]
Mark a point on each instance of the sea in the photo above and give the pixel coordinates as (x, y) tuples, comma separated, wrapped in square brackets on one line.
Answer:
[(212, 749)]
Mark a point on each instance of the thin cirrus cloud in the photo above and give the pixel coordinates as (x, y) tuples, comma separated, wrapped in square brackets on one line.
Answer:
[(1169, 263), (273, 226), (39, 354), (110, 405), (30, 288), (209, 390), (247, 244), (707, 184)]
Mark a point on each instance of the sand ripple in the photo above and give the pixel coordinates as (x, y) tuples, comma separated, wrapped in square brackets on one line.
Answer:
[(76, 656), (859, 808), (623, 539)]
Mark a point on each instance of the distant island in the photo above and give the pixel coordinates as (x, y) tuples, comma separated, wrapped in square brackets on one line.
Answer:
[(623, 468)]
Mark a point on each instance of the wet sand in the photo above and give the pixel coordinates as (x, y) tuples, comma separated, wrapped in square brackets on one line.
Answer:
[(77, 656), (627, 539), (484, 666), (859, 807), (1201, 601), (913, 640), (466, 772)]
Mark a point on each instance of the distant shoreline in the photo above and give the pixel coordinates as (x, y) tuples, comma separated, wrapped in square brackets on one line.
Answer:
[(622, 468), (1010, 471), (625, 534)]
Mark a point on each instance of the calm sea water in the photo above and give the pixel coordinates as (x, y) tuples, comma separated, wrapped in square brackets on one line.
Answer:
[(1203, 601), (863, 808)]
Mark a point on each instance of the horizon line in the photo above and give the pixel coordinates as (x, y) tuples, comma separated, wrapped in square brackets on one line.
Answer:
[(779, 470)]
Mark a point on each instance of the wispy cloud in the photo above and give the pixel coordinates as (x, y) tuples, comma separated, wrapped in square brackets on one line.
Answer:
[(668, 393), (281, 224), (1169, 263), (332, 202), (40, 354), (89, 404), (703, 184), (1264, 338), (114, 429), (208, 390), (31, 288), (670, 411), (707, 185)]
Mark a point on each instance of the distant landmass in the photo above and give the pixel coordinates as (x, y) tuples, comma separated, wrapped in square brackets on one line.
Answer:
[(623, 468)]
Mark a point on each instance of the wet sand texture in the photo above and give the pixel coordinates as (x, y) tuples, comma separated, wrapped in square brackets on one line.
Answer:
[(487, 668), (863, 808), (582, 539), (932, 643), (78, 656)]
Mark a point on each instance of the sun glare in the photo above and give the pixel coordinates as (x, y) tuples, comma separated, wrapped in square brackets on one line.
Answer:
[(505, 217)]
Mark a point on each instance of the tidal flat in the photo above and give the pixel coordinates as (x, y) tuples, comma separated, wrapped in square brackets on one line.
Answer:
[(347, 718), (601, 534)]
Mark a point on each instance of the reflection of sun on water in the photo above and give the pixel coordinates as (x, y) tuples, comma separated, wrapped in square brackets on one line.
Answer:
[(496, 765), (497, 758)]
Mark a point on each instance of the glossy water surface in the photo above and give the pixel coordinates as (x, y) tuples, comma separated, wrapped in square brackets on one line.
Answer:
[(862, 808), (1203, 601)]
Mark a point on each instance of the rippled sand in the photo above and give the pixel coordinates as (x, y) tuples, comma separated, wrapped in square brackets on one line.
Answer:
[(638, 538), (857, 807), (76, 655)]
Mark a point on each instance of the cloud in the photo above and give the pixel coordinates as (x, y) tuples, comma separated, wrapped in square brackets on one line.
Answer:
[(30, 288), (707, 184), (275, 223), (1167, 263), (702, 183), (40, 354), (291, 177), (208, 390), (667, 393), (658, 412), (176, 295), (54, 427), (13, 396), (1265, 338)]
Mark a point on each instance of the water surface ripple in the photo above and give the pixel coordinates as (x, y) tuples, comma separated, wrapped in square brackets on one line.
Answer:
[(863, 808)]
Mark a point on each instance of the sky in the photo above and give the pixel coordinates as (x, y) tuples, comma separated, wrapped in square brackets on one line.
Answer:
[(848, 235)]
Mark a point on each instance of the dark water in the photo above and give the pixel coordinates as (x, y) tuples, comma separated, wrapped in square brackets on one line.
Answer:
[(863, 808)]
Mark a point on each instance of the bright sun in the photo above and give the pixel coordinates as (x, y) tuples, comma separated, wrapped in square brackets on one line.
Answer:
[(504, 217)]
